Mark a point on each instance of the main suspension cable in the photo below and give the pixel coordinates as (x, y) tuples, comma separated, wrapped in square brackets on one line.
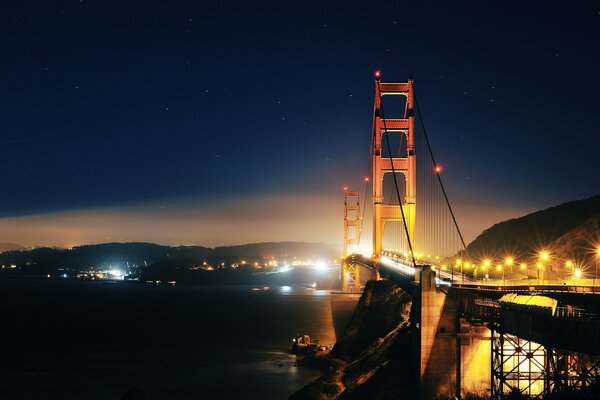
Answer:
[(369, 170)]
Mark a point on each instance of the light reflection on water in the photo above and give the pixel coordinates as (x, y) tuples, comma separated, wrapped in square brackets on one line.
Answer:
[(74, 340)]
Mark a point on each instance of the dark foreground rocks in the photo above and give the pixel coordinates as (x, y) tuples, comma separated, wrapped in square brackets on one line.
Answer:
[(371, 359)]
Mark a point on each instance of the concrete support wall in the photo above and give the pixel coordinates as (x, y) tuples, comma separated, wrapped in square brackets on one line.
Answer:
[(475, 359), (438, 340), (455, 356)]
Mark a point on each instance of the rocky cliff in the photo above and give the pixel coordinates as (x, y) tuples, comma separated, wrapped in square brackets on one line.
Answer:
[(371, 358)]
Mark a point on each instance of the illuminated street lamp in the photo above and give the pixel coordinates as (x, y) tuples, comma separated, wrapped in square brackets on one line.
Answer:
[(523, 266), (569, 264), (499, 268), (510, 261), (543, 256), (486, 265), (459, 263)]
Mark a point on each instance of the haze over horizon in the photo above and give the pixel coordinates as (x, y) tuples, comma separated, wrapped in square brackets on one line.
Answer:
[(190, 124)]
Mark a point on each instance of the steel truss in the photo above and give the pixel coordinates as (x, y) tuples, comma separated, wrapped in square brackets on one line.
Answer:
[(572, 371), (351, 278), (528, 369)]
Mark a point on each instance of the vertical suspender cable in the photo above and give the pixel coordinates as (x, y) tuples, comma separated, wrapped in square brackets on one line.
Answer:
[(435, 169)]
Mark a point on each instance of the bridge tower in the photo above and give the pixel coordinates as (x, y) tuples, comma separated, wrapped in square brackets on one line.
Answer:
[(405, 163), (351, 271)]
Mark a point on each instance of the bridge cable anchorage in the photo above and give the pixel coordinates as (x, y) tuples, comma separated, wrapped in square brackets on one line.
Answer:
[(389, 148), (436, 169)]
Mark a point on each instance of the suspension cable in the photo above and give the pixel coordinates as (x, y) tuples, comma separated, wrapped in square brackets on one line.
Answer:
[(435, 167), (389, 147), (369, 167)]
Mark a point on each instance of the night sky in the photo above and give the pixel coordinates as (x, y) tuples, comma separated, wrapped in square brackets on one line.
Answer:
[(184, 122)]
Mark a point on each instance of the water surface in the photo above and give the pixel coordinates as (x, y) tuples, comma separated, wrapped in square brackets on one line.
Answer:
[(64, 339)]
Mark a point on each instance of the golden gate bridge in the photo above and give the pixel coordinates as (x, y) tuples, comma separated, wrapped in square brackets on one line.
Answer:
[(523, 332)]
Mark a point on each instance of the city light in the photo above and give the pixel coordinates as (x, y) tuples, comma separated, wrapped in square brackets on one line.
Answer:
[(322, 265), (544, 255), (523, 266), (578, 273), (508, 261)]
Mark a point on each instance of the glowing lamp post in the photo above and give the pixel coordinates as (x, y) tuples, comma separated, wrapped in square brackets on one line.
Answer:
[(569, 264), (486, 265), (523, 266), (509, 261), (543, 256)]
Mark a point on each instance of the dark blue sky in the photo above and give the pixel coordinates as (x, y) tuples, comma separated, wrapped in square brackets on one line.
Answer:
[(119, 105)]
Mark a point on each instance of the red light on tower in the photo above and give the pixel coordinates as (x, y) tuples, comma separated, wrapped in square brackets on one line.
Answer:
[(345, 188), (438, 169), (378, 74), (366, 179)]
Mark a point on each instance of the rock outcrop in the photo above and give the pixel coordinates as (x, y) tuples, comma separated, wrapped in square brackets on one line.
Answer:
[(372, 357)]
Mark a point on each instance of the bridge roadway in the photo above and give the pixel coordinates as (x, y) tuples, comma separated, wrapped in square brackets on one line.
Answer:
[(574, 325)]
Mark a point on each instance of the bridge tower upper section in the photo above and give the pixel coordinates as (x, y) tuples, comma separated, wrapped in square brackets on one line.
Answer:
[(351, 221), (404, 163), (352, 226)]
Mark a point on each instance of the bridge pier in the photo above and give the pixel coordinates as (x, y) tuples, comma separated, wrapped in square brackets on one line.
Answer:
[(454, 355)]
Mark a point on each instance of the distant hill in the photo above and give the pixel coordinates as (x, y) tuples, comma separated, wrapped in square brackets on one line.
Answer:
[(568, 230), (10, 247), (141, 254)]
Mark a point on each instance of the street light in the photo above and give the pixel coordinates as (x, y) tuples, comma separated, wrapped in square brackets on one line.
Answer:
[(523, 266), (485, 266), (499, 268), (509, 261), (543, 256), (569, 264)]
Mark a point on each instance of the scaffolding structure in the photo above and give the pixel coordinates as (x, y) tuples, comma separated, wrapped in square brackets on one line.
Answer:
[(524, 368)]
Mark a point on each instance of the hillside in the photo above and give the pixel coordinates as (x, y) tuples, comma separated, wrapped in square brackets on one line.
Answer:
[(568, 230), (578, 244), (10, 247), (141, 254)]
